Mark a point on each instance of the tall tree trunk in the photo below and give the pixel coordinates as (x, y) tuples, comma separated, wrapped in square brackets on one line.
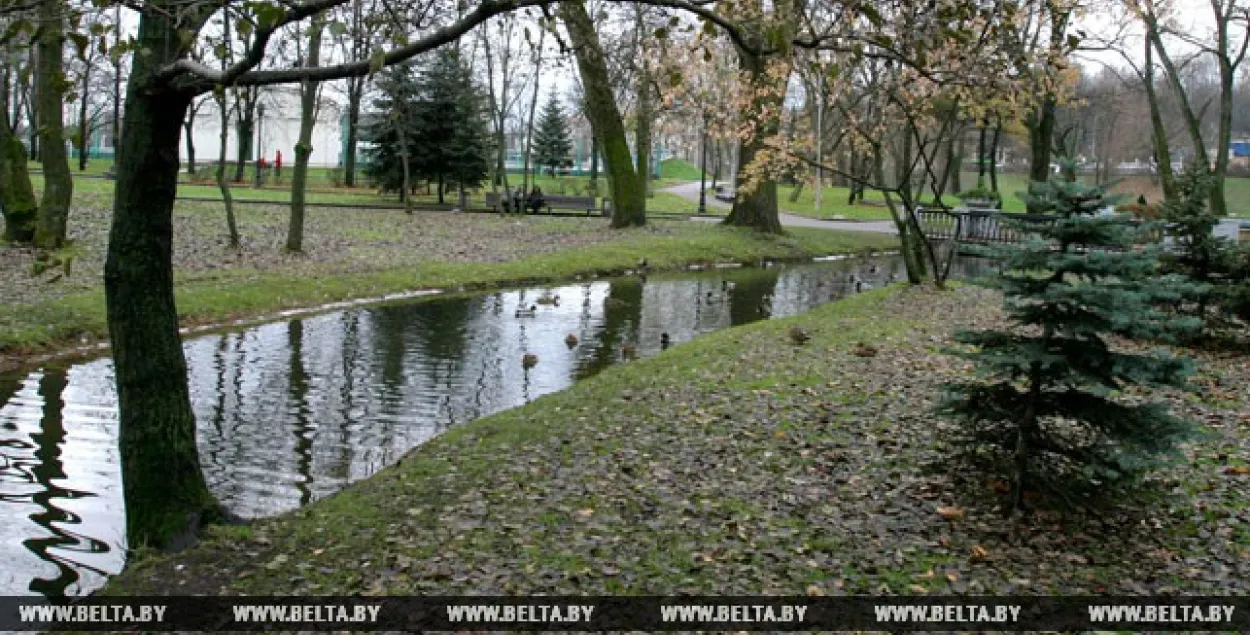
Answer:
[(756, 206), (629, 194), (222, 183), (354, 96), (189, 131), (32, 105), (58, 182), (166, 496), (646, 111), (529, 125), (84, 129), (1158, 132), (245, 120), (955, 159), (1224, 129), (981, 154), (1041, 125), (998, 128), (642, 122), (117, 83), (401, 133), (304, 148), (594, 164), (17, 198)]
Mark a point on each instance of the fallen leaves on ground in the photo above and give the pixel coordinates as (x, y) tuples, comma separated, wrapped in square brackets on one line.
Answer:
[(670, 476)]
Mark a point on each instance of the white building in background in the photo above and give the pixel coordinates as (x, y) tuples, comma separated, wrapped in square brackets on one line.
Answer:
[(277, 130)]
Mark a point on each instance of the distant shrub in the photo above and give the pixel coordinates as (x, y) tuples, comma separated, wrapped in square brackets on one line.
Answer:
[(335, 177)]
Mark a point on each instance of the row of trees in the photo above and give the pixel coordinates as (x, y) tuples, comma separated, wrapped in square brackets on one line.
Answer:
[(432, 124)]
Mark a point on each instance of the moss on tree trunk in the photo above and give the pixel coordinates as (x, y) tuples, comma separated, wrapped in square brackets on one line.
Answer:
[(58, 182), (17, 198), (756, 206), (629, 193), (303, 148), (166, 496)]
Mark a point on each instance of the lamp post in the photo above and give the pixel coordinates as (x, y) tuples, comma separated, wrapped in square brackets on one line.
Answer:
[(260, 153), (703, 170)]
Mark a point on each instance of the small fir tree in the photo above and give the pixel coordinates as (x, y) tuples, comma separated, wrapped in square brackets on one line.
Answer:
[(1045, 410), (1196, 252), (383, 152), (552, 144)]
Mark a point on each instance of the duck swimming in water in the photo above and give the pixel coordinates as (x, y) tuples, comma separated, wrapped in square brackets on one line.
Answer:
[(523, 312)]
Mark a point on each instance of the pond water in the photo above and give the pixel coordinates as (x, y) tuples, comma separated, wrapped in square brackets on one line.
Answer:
[(290, 412)]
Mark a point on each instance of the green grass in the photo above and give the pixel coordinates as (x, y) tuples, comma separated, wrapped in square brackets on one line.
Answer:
[(322, 192), (238, 293), (668, 475), (679, 169)]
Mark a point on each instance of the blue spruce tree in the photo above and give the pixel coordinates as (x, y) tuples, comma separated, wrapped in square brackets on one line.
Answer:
[(1045, 409)]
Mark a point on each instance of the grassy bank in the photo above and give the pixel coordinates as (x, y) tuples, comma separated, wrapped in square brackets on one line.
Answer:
[(833, 199), (739, 463), (352, 254)]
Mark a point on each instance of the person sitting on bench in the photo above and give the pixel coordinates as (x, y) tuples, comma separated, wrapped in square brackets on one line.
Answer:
[(535, 201)]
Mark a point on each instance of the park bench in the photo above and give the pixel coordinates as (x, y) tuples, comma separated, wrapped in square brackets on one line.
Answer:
[(553, 202)]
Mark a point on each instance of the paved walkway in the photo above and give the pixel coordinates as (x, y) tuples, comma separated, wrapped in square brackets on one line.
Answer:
[(690, 192)]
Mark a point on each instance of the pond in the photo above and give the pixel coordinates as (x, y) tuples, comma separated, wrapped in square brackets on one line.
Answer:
[(290, 412)]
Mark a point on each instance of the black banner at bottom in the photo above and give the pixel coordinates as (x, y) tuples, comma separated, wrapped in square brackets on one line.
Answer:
[(573, 613)]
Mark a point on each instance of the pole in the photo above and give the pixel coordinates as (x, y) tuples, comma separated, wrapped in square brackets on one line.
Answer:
[(703, 171)]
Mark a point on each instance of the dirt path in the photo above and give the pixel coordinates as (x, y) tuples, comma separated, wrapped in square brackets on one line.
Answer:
[(690, 192)]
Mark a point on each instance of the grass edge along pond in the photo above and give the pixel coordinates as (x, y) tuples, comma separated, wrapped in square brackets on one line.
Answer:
[(737, 463), (78, 318)]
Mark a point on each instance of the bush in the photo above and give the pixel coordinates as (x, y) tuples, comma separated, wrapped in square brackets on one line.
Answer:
[(335, 177), (1043, 413)]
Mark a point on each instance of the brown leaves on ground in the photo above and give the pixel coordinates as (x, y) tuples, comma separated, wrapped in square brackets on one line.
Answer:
[(336, 240), (668, 476)]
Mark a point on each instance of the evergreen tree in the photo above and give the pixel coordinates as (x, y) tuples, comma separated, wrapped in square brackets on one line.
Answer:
[(1045, 411), (398, 88), (1196, 252), (443, 115), (552, 145), (449, 113)]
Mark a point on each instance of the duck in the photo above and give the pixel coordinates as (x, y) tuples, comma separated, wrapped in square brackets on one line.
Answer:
[(523, 312), (864, 350), (570, 340), (798, 335), (665, 341), (529, 360), (629, 351), (549, 299)]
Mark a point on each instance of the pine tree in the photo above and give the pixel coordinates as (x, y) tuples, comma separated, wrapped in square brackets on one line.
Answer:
[(552, 145), (398, 88), (1045, 410), (1196, 252), (454, 144), (443, 114)]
